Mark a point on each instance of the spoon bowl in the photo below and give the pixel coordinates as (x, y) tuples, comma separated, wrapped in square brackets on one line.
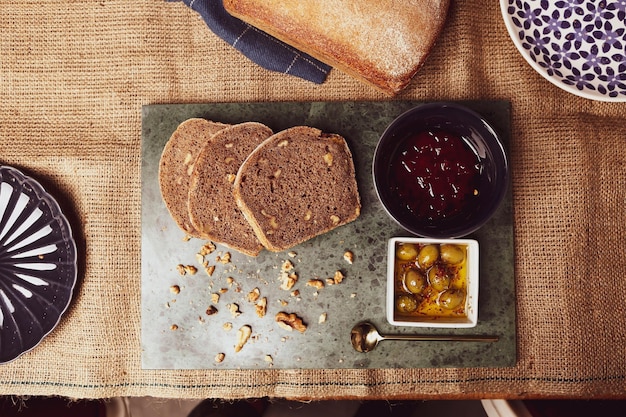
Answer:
[(365, 337)]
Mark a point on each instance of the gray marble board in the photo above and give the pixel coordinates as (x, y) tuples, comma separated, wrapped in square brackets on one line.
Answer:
[(198, 338)]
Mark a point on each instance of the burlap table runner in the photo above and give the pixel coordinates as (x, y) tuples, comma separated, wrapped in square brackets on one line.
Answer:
[(73, 78)]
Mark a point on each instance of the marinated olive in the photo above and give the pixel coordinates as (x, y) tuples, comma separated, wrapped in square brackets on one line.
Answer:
[(406, 251), (427, 256), (451, 299), (439, 278), (406, 303), (414, 281), (452, 254)]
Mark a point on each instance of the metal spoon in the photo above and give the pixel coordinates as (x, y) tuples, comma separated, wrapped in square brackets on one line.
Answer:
[(365, 337)]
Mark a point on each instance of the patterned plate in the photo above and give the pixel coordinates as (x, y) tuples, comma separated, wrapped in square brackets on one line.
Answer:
[(578, 45), (37, 263)]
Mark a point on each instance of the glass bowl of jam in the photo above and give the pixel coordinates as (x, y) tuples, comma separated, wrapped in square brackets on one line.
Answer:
[(432, 282), (440, 170)]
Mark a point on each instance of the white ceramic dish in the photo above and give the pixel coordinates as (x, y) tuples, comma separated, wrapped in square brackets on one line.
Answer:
[(579, 46), (471, 299)]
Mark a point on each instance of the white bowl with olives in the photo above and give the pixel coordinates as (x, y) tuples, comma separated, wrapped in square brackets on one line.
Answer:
[(432, 282)]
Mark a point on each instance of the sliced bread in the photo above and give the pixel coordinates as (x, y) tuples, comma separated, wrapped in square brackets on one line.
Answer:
[(176, 164), (212, 207), (297, 184)]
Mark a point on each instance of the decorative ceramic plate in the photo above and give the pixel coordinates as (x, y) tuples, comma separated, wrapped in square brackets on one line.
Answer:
[(37, 263), (578, 45)]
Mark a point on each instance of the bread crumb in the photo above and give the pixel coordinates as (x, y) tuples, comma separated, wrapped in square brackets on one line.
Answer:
[(353, 295), (175, 289), (219, 358), (243, 334)]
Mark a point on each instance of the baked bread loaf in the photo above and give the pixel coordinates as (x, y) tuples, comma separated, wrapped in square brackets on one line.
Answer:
[(176, 163), (297, 184), (212, 207), (380, 42)]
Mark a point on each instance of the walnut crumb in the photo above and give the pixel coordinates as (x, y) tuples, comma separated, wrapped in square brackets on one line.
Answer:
[(322, 318), (290, 321), (174, 327), (243, 334), (261, 307), (211, 310), (223, 290), (234, 309), (228, 326), (219, 358), (181, 269), (335, 219), (175, 289), (292, 254), (209, 269), (230, 281), (225, 258), (338, 278), (191, 270), (348, 256), (318, 284), (207, 249), (215, 298), (254, 295), (269, 359)]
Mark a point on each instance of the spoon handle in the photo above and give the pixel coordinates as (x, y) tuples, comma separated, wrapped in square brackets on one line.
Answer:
[(441, 338)]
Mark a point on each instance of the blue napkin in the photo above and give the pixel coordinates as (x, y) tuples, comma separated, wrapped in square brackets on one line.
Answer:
[(258, 46)]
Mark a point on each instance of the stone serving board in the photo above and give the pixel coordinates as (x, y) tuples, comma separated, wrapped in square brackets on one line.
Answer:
[(178, 334)]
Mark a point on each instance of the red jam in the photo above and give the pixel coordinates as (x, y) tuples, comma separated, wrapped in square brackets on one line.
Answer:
[(434, 174)]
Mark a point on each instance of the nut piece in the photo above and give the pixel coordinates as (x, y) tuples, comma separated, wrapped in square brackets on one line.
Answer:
[(243, 334), (219, 357), (174, 327), (181, 269), (334, 219), (261, 307), (228, 326), (338, 278), (254, 295), (211, 310), (318, 284), (349, 257), (322, 318), (269, 359), (290, 321), (209, 270), (207, 249), (215, 298), (191, 270), (174, 289), (234, 309), (328, 158)]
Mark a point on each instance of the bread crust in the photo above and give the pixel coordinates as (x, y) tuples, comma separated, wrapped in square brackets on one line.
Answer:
[(298, 184), (175, 165), (381, 43), (212, 207)]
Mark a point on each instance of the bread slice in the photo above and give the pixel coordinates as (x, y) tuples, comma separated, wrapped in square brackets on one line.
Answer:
[(176, 163), (380, 42), (212, 207), (297, 184)]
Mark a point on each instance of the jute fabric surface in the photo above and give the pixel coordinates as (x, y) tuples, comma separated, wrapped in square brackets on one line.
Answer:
[(73, 78)]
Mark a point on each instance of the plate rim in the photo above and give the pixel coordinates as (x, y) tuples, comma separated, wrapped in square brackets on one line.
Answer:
[(512, 32), (43, 194)]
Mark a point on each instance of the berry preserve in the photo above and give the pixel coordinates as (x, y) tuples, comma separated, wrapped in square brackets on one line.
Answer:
[(434, 174)]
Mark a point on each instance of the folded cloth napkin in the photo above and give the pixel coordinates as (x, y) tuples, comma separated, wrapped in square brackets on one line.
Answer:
[(258, 46)]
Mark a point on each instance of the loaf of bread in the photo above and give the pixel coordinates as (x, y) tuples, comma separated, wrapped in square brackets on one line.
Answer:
[(296, 185), (176, 164), (212, 207), (383, 43)]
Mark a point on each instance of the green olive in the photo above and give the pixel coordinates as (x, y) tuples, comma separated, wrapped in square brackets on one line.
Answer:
[(438, 278), (428, 256), (406, 303), (406, 251), (452, 254), (451, 299), (414, 281)]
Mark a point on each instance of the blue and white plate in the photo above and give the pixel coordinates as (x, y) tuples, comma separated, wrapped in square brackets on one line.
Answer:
[(37, 263), (578, 45)]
